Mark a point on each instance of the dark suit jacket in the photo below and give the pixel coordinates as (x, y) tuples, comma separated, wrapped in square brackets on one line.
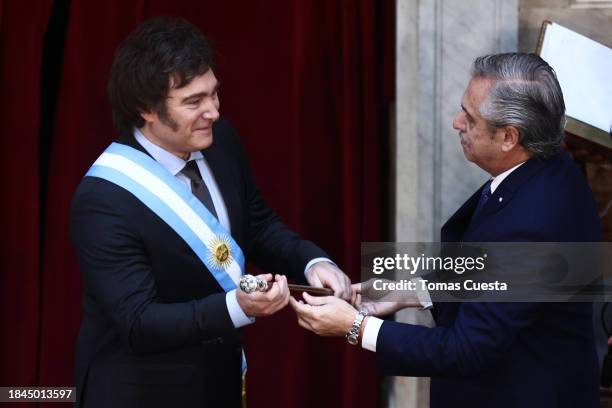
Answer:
[(509, 354), (156, 331)]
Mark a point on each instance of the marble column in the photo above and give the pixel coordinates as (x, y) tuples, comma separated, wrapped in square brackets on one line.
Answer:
[(437, 40)]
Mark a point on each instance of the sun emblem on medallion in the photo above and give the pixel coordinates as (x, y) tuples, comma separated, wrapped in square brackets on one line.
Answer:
[(220, 253)]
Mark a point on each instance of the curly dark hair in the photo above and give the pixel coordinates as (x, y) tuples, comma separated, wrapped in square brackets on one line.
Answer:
[(162, 52)]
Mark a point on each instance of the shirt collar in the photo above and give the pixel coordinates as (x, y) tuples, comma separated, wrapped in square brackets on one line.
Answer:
[(171, 162), (496, 181)]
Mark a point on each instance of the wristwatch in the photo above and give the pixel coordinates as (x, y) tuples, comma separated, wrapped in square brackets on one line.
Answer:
[(352, 336)]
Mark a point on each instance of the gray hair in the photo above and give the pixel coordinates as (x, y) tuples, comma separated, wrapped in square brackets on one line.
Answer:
[(525, 94)]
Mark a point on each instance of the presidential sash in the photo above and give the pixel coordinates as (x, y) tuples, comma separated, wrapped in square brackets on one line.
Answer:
[(174, 203)]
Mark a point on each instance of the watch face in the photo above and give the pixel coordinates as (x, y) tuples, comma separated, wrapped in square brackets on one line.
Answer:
[(352, 340)]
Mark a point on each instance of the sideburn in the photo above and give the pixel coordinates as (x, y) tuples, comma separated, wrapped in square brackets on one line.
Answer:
[(166, 119)]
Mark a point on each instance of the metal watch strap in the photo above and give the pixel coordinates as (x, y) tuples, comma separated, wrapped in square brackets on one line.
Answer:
[(352, 336)]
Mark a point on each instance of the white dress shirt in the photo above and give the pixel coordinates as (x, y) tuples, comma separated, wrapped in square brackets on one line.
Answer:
[(370, 331)]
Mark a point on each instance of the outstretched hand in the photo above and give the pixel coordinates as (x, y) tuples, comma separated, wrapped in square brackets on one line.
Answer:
[(325, 316), (258, 304), (325, 274), (382, 302)]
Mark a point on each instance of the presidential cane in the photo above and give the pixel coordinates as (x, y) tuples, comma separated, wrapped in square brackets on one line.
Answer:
[(250, 284)]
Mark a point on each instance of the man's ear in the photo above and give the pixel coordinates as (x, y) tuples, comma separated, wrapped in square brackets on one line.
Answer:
[(149, 116), (511, 138)]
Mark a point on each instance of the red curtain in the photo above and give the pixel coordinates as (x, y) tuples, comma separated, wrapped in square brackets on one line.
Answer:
[(22, 29), (306, 84)]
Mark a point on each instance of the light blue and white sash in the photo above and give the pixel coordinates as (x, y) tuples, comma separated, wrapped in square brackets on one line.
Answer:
[(174, 203)]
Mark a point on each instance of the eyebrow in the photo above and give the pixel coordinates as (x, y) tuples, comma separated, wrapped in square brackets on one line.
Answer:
[(467, 112), (201, 94)]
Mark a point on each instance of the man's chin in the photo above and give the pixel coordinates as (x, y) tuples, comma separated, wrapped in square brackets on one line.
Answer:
[(204, 141), (467, 154)]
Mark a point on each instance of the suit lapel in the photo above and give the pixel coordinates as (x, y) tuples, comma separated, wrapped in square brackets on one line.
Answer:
[(457, 224), (222, 171), (506, 190), (461, 223)]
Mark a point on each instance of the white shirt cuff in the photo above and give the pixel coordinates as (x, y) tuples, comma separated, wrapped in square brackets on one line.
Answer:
[(239, 318), (317, 260), (370, 333), (422, 295)]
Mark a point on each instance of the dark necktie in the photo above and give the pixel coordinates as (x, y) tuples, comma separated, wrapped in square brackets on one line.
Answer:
[(198, 187), (484, 198)]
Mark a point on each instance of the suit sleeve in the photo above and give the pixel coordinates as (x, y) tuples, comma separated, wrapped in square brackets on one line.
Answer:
[(118, 276), (478, 339), (271, 244)]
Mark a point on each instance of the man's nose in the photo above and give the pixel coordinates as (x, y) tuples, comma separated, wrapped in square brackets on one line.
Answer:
[(458, 121), (211, 112)]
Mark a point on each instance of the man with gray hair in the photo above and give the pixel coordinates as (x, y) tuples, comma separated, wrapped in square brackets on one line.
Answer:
[(497, 354)]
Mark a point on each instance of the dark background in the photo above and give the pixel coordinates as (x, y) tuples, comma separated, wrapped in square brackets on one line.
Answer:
[(307, 83)]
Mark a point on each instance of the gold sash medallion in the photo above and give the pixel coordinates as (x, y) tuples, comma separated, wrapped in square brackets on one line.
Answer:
[(220, 252)]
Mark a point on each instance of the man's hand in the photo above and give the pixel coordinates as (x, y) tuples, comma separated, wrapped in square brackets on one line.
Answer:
[(259, 304), (325, 316), (324, 274), (382, 303)]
